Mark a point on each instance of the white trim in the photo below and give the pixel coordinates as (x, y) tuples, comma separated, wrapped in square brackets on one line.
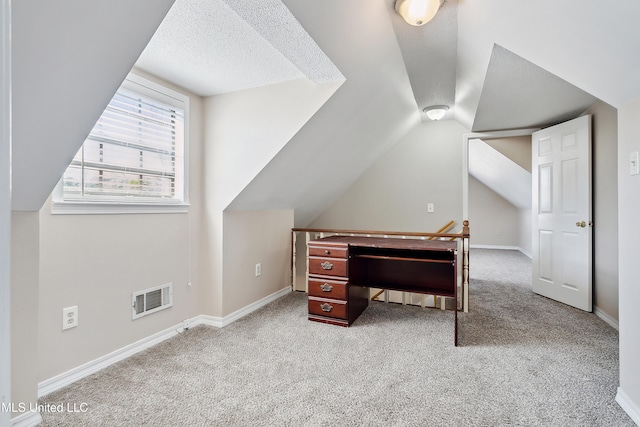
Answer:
[(629, 407), (28, 419), (221, 322), (66, 378), (52, 384), (527, 254), (162, 93), (506, 248), (87, 208), (499, 247), (608, 319)]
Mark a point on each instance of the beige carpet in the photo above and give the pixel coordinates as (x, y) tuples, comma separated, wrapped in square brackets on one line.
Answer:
[(523, 361)]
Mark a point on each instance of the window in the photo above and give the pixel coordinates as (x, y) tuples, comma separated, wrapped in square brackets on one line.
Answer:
[(133, 160)]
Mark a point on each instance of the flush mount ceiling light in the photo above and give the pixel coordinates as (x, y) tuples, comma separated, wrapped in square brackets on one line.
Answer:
[(436, 112), (418, 12)]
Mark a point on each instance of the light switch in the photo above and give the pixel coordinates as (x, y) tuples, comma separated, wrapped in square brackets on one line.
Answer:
[(634, 168), (430, 208)]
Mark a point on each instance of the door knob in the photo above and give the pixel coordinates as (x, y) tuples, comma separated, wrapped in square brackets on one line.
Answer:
[(581, 224)]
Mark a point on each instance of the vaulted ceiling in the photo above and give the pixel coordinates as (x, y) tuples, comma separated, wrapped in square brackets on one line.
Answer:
[(461, 59), (498, 64)]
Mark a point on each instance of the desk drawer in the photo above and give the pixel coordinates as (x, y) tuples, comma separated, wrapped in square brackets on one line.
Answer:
[(328, 251), (328, 266), (328, 307), (328, 289)]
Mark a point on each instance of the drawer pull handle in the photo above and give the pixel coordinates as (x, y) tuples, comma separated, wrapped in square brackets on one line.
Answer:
[(326, 307), (327, 251), (326, 287), (326, 265)]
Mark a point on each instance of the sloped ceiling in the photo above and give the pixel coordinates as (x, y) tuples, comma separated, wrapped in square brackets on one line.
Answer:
[(588, 44), (68, 59), (366, 116), (429, 53), (212, 47), (499, 173), (517, 94)]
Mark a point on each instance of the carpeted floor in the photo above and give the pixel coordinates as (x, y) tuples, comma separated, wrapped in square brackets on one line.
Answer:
[(523, 360)]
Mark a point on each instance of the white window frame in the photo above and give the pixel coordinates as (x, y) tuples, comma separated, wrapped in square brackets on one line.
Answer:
[(154, 90)]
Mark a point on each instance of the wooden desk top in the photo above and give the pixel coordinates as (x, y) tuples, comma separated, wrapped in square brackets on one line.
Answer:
[(388, 243)]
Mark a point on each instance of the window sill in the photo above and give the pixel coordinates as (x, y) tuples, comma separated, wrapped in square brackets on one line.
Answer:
[(92, 208)]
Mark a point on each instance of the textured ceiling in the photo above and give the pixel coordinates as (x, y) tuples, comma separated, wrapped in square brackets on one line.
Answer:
[(518, 94), (212, 47), (515, 94), (469, 57), (429, 53)]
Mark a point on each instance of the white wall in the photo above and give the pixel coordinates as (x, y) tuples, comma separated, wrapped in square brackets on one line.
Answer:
[(525, 237), (243, 131), (24, 307), (493, 218), (250, 238), (629, 236), (496, 222), (97, 261), (424, 167), (605, 208), (246, 129), (5, 207), (516, 148)]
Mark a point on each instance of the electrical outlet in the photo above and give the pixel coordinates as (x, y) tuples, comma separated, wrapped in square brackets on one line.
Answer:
[(258, 269), (69, 317)]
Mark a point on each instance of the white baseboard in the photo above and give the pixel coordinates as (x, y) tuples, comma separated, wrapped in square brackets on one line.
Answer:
[(629, 407), (528, 255), (66, 378), (506, 248), (52, 384), (500, 247), (27, 419), (221, 322), (608, 319)]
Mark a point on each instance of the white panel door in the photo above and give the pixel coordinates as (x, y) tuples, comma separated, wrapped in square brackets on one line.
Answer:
[(561, 246)]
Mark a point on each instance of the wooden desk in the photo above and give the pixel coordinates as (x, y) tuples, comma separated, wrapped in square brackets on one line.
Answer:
[(343, 268)]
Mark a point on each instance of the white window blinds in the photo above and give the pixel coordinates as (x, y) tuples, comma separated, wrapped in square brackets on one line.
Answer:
[(134, 154)]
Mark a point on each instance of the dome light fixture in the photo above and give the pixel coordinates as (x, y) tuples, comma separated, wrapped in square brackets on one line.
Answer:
[(436, 112), (418, 12)]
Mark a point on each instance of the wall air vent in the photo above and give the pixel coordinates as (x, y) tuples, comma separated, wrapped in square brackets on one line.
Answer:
[(151, 300)]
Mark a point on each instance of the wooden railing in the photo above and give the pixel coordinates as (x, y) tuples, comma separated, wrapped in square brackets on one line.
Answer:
[(314, 233)]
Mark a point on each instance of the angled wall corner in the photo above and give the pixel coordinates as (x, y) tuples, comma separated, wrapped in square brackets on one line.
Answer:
[(499, 173), (244, 130)]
